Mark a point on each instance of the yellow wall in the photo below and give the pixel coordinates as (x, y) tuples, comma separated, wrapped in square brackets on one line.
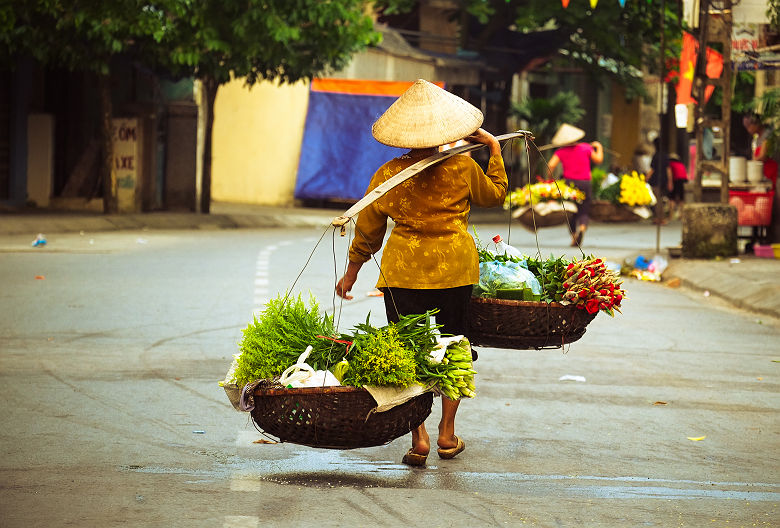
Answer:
[(257, 142), (625, 126)]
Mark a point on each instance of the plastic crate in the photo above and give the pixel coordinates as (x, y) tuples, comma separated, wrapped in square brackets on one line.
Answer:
[(763, 251), (753, 208)]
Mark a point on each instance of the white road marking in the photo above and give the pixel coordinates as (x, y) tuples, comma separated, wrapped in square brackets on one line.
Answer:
[(262, 272), (241, 521), (239, 483)]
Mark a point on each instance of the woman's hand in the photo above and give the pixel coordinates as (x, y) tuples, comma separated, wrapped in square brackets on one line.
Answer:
[(344, 286), (345, 283), (597, 156), (486, 138)]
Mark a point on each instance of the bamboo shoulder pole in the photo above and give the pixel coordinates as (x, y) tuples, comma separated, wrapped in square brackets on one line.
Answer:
[(411, 170)]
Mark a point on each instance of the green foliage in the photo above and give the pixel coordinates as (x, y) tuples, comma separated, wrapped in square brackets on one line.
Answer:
[(550, 273), (273, 342), (773, 14), (609, 41), (280, 40), (262, 39), (610, 193), (415, 334), (378, 357), (74, 34), (546, 114), (769, 106), (597, 175)]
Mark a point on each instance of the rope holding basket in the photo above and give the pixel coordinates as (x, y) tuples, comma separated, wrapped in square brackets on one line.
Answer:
[(525, 325)]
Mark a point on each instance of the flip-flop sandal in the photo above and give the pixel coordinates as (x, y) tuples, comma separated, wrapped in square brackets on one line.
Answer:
[(414, 459), (451, 452)]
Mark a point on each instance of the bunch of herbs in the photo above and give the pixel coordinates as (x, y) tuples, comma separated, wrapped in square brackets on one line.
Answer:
[(550, 273), (280, 334), (378, 357)]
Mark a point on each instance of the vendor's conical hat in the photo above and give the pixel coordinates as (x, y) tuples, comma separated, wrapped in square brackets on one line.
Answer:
[(566, 135), (426, 116)]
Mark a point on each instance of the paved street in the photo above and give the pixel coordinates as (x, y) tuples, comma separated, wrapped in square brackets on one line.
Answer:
[(112, 343)]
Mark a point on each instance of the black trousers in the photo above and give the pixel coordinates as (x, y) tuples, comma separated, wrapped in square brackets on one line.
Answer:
[(453, 305), (582, 216)]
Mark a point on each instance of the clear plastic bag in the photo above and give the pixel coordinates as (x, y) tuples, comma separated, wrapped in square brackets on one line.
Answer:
[(507, 280)]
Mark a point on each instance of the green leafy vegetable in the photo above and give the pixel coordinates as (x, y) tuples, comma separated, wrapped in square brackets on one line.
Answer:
[(378, 357), (275, 339), (550, 273), (454, 375)]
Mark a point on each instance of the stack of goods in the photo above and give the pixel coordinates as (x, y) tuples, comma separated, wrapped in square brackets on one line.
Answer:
[(582, 283), (753, 208)]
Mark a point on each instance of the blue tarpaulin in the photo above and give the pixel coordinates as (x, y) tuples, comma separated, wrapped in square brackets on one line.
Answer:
[(339, 155)]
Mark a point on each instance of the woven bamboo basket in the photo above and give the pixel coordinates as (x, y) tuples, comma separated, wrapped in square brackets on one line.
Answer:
[(605, 211), (544, 214), (335, 417), (524, 325)]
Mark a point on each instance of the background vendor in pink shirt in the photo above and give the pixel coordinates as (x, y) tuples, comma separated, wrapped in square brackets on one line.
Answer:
[(576, 158)]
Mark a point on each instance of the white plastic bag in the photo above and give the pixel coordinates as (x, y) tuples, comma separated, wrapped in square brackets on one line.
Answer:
[(301, 374)]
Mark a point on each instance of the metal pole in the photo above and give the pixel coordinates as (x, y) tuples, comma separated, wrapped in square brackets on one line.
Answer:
[(659, 206)]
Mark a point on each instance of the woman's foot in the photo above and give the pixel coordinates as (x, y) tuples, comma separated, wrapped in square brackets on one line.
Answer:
[(450, 451), (418, 454), (413, 459), (421, 445)]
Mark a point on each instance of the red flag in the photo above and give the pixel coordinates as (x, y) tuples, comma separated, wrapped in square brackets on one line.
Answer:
[(714, 69), (688, 66)]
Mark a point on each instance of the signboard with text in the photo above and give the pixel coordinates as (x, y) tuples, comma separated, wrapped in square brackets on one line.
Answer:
[(126, 163)]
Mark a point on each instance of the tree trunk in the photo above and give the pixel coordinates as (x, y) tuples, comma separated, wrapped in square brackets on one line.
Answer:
[(107, 171), (210, 86)]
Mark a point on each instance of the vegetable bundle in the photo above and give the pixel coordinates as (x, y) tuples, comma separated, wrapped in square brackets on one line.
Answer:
[(275, 339), (399, 354), (454, 374), (587, 283)]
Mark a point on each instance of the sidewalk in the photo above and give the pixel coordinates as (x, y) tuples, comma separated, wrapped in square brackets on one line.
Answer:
[(746, 281)]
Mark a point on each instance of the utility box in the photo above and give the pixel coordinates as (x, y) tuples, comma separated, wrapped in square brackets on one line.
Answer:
[(709, 230)]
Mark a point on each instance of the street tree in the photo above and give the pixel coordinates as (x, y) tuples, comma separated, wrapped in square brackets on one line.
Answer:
[(276, 40), (609, 41)]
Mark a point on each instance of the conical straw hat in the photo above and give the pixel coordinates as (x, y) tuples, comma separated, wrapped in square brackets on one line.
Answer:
[(566, 135), (426, 116)]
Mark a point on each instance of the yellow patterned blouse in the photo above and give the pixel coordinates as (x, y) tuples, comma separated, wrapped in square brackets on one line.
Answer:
[(430, 246)]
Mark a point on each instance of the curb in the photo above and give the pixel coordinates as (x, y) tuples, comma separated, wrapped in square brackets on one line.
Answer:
[(759, 296)]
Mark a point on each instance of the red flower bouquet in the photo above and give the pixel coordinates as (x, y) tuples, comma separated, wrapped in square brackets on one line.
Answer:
[(590, 286)]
